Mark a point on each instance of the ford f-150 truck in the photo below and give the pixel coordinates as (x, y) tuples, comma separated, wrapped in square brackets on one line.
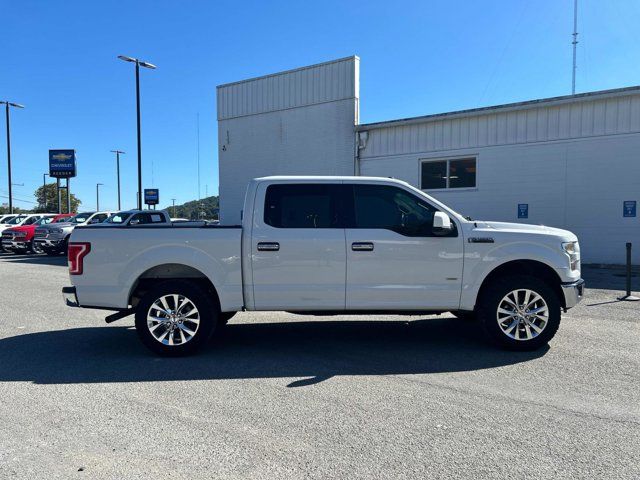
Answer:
[(327, 245)]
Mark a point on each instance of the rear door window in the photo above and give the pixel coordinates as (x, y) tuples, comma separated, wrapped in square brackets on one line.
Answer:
[(302, 206)]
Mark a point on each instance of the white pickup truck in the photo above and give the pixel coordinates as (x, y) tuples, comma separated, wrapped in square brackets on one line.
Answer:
[(327, 245)]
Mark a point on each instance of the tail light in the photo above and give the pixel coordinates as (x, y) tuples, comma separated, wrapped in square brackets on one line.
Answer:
[(77, 252)]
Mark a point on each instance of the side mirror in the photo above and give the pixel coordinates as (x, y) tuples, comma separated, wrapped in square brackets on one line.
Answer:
[(441, 223)]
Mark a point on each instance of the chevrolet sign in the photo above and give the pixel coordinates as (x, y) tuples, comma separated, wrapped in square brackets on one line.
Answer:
[(151, 196), (62, 163)]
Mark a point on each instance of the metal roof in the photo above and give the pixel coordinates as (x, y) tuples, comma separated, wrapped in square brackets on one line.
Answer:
[(544, 102)]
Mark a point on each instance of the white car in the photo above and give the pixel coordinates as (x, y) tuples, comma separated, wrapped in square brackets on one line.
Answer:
[(324, 245)]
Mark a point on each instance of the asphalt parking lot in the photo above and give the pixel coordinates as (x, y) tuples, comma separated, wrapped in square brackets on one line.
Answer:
[(284, 396)]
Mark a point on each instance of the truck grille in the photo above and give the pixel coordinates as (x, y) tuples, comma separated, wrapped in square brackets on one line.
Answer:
[(7, 236)]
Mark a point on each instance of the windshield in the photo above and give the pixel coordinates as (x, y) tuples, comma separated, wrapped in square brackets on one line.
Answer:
[(118, 218), (7, 218), (62, 220), (16, 220), (80, 218), (44, 221)]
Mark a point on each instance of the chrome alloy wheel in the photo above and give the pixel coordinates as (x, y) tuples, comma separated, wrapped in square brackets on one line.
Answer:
[(173, 319), (522, 314)]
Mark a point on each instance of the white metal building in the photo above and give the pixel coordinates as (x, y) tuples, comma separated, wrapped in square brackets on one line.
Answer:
[(569, 162)]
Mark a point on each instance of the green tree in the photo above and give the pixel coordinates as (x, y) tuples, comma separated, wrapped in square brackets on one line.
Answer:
[(47, 198), (207, 208)]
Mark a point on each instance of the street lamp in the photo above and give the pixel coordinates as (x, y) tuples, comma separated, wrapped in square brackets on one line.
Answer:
[(118, 152), (44, 190), (174, 207), (7, 105), (139, 63), (98, 196)]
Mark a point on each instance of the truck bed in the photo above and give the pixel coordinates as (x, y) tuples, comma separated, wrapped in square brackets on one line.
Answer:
[(122, 255)]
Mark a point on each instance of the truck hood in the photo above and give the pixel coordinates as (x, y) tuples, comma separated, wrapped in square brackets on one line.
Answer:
[(525, 228), (60, 225), (24, 228)]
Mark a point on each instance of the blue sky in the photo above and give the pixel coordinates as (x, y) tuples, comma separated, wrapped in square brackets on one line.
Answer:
[(417, 57)]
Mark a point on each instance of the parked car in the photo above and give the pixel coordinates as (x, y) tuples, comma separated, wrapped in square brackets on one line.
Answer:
[(6, 218), (20, 220), (138, 217), (53, 239), (326, 245), (20, 239)]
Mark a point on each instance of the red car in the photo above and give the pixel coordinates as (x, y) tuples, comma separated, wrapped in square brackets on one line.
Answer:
[(20, 239)]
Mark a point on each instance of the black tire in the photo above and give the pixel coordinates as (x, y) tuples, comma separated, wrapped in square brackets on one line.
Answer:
[(208, 311), (492, 296), (64, 248), (465, 316), (34, 248)]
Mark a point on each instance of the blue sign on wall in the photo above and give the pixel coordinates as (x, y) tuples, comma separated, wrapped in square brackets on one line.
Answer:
[(629, 208), (62, 163), (523, 210), (151, 196)]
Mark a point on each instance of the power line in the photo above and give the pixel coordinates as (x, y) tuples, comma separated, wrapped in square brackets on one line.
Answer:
[(20, 199)]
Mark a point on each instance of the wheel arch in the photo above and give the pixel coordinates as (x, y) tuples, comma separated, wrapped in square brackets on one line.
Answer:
[(170, 271), (534, 268)]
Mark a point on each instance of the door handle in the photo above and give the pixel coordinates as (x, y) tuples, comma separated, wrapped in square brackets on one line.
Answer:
[(362, 246), (268, 246)]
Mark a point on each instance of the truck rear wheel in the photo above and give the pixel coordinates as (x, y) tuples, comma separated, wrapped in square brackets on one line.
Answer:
[(519, 312), (176, 318)]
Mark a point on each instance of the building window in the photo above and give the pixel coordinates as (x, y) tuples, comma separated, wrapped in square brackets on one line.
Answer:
[(451, 173)]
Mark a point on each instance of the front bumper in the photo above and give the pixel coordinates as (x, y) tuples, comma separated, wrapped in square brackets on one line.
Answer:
[(573, 293), (15, 245), (70, 297), (48, 242)]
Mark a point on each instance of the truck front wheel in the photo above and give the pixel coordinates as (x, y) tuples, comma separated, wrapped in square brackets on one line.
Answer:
[(519, 312), (175, 318)]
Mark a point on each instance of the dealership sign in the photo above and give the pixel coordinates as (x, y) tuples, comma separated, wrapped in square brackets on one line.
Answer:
[(151, 196), (62, 163)]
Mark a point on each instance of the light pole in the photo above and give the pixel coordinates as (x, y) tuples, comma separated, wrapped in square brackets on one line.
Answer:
[(98, 196), (7, 105), (44, 190), (138, 63), (118, 152), (174, 207)]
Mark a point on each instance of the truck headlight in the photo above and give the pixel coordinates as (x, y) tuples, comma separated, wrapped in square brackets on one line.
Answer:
[(19, 234), (572, 249)]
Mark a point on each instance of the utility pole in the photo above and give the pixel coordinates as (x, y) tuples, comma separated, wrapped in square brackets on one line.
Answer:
[(138, 63), (68, 196), (44, 190), (574, 43), (98, 196), (8, 104), (174, 207), (118, 152)]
